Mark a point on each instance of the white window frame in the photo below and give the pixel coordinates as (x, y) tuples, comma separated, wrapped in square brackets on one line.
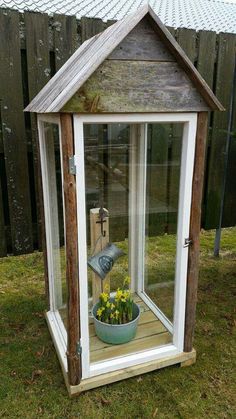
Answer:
[(53, 317), (187, 163)]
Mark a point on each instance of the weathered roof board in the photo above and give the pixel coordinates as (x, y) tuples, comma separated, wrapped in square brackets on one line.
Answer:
[(135, 65)]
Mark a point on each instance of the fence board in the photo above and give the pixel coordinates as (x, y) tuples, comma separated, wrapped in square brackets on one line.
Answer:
[(187, 40), (65, 38), (3, 247), (225, 69), (229, 214), (38, 69), (45, 46), (90, 27), (14, 143)]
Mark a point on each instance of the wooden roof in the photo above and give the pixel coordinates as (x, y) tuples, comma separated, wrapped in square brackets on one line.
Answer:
[(82, 64)]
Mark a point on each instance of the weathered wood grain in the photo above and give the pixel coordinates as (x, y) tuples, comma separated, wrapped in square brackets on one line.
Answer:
[(226, 54), (14, 137), (38, 68), (90, 27), (3, 245), (206, 61), (65, 38), (142, 43), (194, 231), (184, 62), (186, 38), (73, 316), (137, 86)]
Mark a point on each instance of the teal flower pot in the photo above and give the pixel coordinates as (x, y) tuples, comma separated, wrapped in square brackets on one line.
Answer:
[(116, 334)]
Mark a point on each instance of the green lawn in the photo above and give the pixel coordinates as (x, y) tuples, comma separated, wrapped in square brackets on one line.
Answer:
[(31, 382)]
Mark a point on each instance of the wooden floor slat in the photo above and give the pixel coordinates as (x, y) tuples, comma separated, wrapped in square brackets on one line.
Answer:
[(134, 346), (151, 333)]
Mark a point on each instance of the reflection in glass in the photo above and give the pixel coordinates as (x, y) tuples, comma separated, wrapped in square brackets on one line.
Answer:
[(55, 193)]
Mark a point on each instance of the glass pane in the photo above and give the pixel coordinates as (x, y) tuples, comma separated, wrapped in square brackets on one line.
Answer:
[(55, 194), (106, 182), (164, 147)]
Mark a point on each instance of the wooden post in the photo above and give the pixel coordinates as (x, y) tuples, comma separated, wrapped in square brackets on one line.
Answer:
[(98, 285), (194, 232), (71, 245)]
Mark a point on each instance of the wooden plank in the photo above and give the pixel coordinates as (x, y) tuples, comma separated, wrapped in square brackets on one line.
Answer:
[(186, 38), (136, 86), (142, 43), (38, 69), (3, 245), (194, 231), (206, 62), (229, 214), (90, 27), (186, 64), (129, 372), (144, 330), (72, 269), (227, 43), (133, 346), (65, 38), (14, 137), (98, 285)]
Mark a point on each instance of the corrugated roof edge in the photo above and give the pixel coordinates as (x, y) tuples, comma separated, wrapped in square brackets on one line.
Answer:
[(93, 52)]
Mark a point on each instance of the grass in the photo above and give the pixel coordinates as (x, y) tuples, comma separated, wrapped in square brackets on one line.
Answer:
[(31, 383)]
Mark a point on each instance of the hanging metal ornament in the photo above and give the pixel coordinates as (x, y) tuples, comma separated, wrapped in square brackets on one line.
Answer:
[(102, 263)]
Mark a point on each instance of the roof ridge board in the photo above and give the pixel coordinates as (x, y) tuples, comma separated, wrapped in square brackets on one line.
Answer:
[(123, 29), (180, 55), (57, 75)]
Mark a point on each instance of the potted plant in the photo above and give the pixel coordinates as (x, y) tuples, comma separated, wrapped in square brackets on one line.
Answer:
[(116, 318)]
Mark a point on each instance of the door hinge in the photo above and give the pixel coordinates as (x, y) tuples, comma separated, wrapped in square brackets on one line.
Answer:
[(72, 165), (188, 242), (79, 348)]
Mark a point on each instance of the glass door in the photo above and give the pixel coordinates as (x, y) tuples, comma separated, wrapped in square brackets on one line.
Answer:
[(139, 168)]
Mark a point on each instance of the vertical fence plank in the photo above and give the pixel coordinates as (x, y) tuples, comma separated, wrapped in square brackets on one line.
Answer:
[(65, 38), (225, 69), (14, 139), (187, 40), (206, 66), (90, 27), (38, 68), (229, 214), (3, 247)]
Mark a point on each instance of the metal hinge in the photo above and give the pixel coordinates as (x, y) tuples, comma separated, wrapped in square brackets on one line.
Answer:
[(188, 242), (72, 166), (79, 348)]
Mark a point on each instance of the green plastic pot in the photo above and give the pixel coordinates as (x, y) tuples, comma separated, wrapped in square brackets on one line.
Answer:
[(116, 334)]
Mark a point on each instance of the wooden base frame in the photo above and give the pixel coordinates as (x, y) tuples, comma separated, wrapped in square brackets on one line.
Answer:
[(184, 359)]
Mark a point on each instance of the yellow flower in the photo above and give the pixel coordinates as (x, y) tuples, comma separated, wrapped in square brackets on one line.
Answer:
[(126, 294), (127, 280), (104, 296), (112, 316), (99, 312), (108, 304), (117, 314), (112, 306), (119, 294)]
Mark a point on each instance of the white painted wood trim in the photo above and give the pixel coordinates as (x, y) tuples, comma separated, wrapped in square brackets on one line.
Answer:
[(190, 120), (53, 314), (185, 195), (58, 338), (82, 244), (131, 360), (136, 118)]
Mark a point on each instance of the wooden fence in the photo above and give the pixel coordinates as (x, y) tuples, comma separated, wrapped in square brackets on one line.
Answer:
[(33, 47)]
